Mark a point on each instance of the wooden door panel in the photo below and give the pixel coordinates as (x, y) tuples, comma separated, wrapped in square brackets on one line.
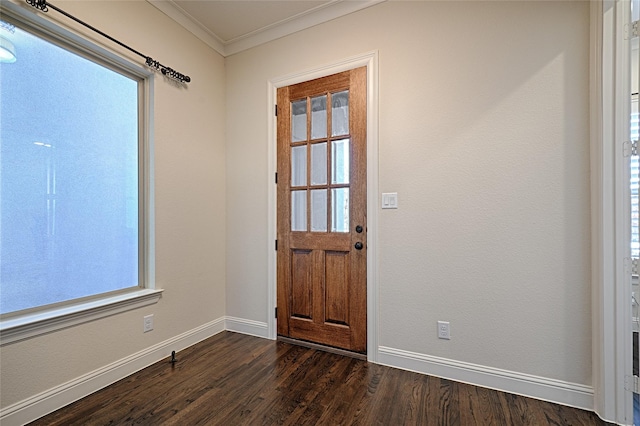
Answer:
[(336, 83), (322, 268), (326, 241), (302, 284), (337, 279), (325, 334)]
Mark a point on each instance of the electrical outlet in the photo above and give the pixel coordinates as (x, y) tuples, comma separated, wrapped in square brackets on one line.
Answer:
[(147, 323), (443, 330)]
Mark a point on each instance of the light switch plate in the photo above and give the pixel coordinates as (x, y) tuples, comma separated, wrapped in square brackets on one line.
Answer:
[(389, 200)]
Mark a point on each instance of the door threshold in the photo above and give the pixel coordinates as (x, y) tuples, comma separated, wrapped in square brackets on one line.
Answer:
[(320, 347)]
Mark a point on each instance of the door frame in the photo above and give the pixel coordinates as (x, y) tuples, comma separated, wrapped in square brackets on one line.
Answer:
[(369, 60), (610, 220)]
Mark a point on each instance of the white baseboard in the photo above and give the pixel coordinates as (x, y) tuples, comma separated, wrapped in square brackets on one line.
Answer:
[(46, 402), (556, 391), (245, 326)]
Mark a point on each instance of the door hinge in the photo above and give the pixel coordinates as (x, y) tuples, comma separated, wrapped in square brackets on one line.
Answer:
[(276, 312), (632, 384), (630, 266), (276, 110), (276, 177), (276, 245), (631, 30), (630, 148)]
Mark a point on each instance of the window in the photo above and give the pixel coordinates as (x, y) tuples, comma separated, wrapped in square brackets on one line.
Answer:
[(72, 162)]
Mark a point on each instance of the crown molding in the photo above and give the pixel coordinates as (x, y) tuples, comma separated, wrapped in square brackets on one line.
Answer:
[(302, 21), (187, 21), (299, 22)]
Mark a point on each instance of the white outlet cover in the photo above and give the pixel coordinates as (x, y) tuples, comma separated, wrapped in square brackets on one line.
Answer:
[(444, 332), (147, 323)]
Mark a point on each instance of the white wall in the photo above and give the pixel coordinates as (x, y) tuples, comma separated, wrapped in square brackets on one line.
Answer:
[(483, 132), (190, 208)]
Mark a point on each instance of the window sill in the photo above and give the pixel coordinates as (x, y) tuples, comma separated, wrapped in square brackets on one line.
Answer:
[(35, 324)]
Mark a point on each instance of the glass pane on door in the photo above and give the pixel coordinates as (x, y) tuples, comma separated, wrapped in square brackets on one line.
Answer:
[(299, 211), (299, 121), (340, 161), (340, 210), (299, 165), (340, 113), (319, 210), (319, 164), (319, 117)]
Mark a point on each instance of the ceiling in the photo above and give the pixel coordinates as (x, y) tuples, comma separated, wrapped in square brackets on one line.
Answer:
[(232, 26)]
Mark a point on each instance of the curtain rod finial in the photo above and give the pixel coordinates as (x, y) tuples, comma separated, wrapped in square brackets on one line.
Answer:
[(39, 4)]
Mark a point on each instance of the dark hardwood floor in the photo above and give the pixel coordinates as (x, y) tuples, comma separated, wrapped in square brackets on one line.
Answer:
[(233, 379)]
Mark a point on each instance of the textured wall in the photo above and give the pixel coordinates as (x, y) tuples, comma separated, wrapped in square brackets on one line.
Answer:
[(190, 210), (483, 129)]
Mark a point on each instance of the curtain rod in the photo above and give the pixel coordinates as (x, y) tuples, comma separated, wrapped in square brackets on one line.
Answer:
[(44, 6)]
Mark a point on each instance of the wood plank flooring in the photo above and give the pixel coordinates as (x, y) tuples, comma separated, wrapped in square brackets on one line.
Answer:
[(234, 379)]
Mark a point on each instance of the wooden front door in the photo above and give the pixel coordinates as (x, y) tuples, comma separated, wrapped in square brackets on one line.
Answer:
[(322, 230)]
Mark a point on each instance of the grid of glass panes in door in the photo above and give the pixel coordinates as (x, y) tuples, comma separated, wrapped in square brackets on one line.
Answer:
[(320, 163)]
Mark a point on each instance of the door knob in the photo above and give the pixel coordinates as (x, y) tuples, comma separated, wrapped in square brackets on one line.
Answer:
[(359, 229), (358, 245)]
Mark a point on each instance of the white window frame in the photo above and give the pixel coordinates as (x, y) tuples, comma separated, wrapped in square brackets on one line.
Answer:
[(34, 322)]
